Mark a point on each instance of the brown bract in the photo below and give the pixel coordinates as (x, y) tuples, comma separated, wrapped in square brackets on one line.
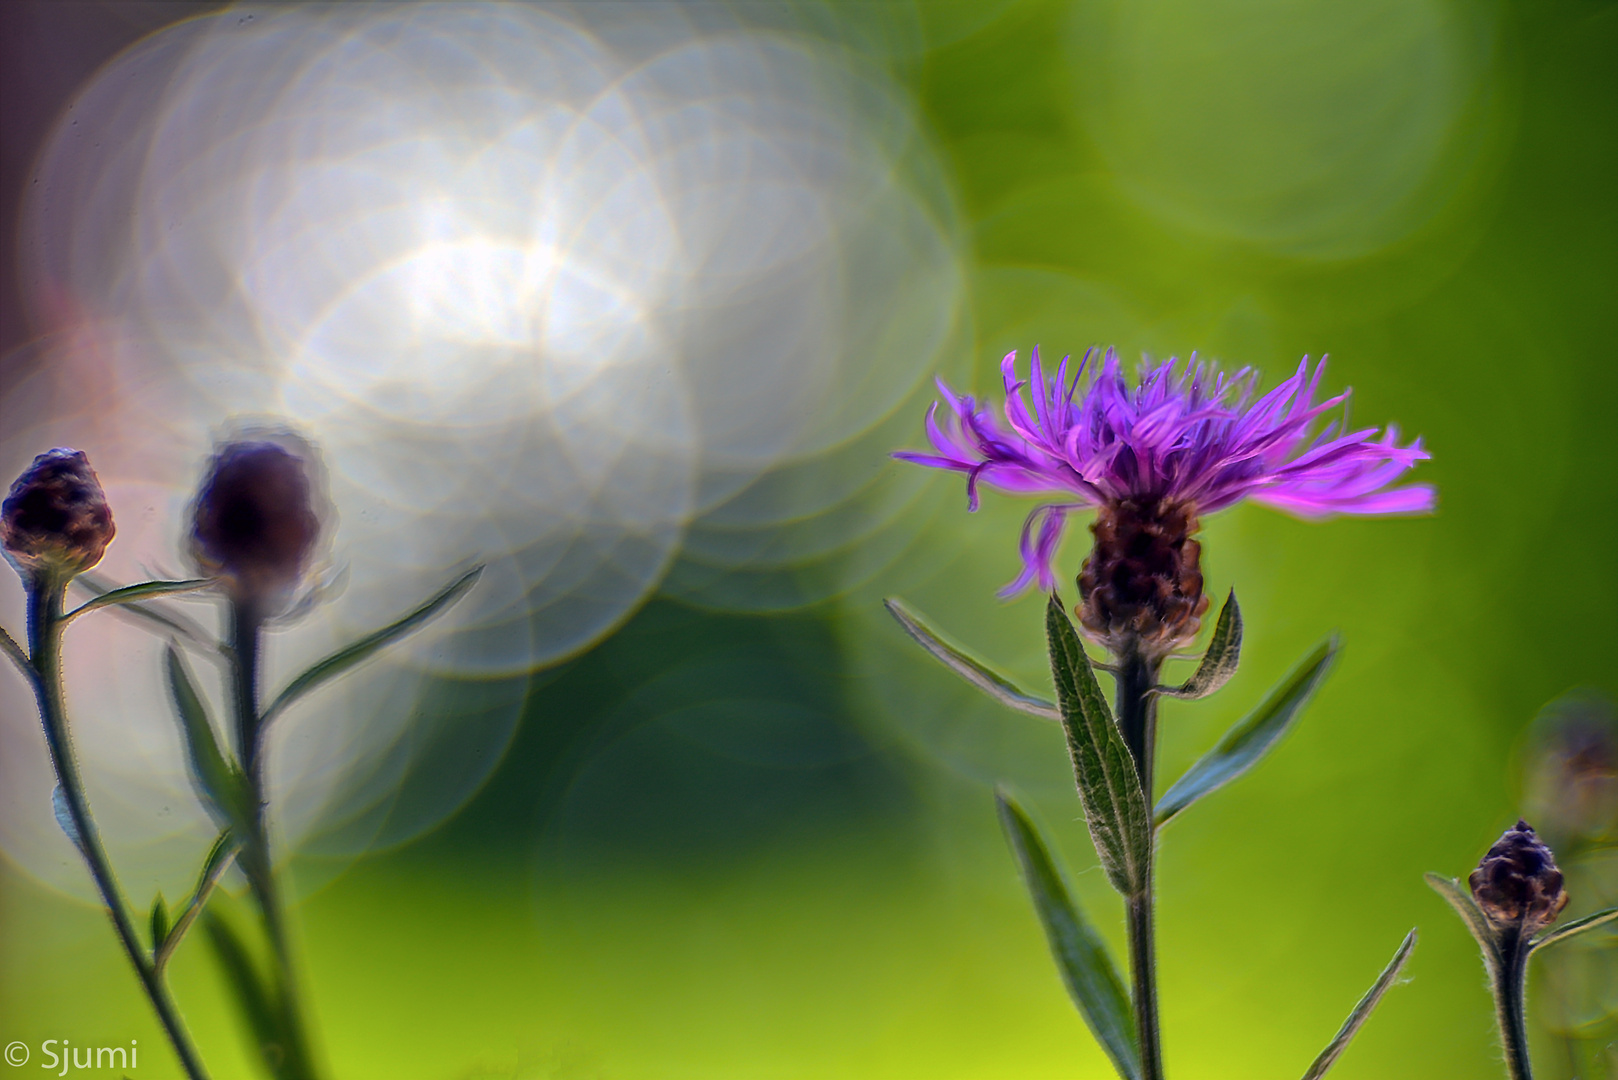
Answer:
[(56, 521), (1517, 884), (255, 523), (1142, 584)]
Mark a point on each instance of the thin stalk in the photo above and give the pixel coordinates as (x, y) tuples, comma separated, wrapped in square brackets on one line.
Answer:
[(1508, 980), (45, 657), (246, 630), (1137, 722)]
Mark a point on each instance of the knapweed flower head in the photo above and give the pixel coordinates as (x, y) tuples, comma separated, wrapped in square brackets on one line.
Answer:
[(1517, 884), (1183, 440), (259, 517), (56, 521)]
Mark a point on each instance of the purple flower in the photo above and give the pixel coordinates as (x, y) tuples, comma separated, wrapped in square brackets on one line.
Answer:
[(1193, 438)]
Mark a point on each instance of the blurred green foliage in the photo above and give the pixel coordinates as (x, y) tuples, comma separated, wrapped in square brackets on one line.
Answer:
[(729, 845)]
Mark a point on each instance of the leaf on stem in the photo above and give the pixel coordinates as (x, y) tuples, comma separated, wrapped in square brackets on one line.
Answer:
[(967, 667), (346, 657), (1478, 923), (1109, 786), (16, 655), (221, 783), (64, 816), (255, 1000), (1362, 1011), (1577, 926), (171, 621), (1092, 981), (1252, 737), (159, 923), (131, 594), (213, 868), (1219, 662)]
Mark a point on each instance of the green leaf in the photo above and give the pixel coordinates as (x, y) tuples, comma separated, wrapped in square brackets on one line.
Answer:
[(1478, 923), (1577, 926), (1219, 662), (1109, 787), (221, 783), (346, 657), (1251, 738), (1092, 980), (130, 594), (159, 922), (972, 670), (171, 621), (16, 655), (1362, 1012), (254, 999), (213, 868)]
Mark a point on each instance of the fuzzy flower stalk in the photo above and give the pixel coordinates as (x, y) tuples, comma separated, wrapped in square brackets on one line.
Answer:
[(55, 524), (258, 520), (1511, 903), (1150, 456)]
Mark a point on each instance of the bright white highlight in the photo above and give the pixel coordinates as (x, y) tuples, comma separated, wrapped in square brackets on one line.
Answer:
[(547, 286)]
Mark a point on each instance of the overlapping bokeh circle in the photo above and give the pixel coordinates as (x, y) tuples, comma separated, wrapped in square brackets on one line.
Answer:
[(559, 290)]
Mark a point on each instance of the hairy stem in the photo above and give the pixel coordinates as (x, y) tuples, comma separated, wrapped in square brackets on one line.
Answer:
[(45, 656), (246, 630), (1508, 979), (1137, 721)]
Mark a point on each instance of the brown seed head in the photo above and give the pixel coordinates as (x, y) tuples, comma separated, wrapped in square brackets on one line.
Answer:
[(1142, 584), (255, 523), (1517, 884), (56, 521)]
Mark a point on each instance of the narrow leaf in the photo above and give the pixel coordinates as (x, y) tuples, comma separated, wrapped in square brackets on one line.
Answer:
[(1362, 1011), (172, 621), (1577, 926), (219, 781), (64, 816), (213, 868), (1109, 787), (1477, 922), (972, 670), (1092, 980), (16, 655), (346, 657), (130, 594), (1252, 737), (159, 922), (1219, 662), (253, 998)]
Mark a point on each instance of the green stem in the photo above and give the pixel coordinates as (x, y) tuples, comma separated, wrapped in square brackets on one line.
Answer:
[(1137, 722), (1508, 979), (246, 630), (45, 598)]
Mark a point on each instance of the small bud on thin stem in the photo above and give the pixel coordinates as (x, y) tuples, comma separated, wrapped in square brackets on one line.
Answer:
[(56, 523), (1517, 885), (257, 519)]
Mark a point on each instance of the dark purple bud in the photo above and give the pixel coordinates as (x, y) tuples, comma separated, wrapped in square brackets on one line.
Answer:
[(56, 519), (1517, 884), (256, 523)]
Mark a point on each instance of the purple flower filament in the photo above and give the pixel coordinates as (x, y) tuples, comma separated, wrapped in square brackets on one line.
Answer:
[(1194, 436)]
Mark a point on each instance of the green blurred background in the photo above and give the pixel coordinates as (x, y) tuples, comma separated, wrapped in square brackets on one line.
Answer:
[(731, 844)]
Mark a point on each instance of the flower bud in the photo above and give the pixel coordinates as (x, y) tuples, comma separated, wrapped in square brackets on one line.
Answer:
[(1142, 584), (256, 522), (56, 520), (1517, 884)]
